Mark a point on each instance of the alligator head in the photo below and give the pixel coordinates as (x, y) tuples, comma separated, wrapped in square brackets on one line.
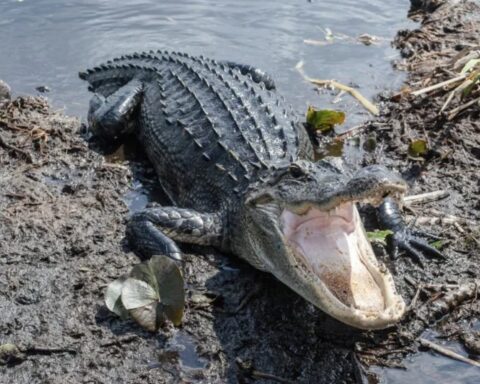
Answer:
[(301, 224)]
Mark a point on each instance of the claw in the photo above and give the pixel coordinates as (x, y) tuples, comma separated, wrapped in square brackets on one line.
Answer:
[(176, 256), (406, 238), (414, 246), (401, 240), (413, 253), (427, 248), (427, 235)]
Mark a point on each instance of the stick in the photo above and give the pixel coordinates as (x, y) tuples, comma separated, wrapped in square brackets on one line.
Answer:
[(449, 99), (426, 197), (413, 303), (454, 112), (352, 131), (443, 218), (447, 352), (332, 83), (268, 376), (439, 85), (48, 351), (15, 149)]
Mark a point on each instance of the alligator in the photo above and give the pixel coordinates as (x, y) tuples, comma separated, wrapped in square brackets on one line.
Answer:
[(238, 167)]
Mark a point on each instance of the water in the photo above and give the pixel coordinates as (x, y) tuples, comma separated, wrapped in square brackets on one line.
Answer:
[(432, 368), (46, 42)]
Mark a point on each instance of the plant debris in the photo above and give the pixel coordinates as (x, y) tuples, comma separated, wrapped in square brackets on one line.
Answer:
[(417, 148), (150, 294), (324, 120), (373, 109)]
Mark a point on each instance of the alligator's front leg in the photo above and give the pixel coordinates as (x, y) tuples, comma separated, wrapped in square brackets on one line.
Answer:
[(111, 117), (403, 237), (154, 231)]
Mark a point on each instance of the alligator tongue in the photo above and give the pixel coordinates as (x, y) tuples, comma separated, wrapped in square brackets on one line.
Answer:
[(331, 246)]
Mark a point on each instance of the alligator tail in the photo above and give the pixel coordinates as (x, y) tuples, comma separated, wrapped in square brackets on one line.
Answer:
[(110, 76)]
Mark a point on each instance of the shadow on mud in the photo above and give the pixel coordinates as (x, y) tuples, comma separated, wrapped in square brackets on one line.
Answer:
[(266, 330)]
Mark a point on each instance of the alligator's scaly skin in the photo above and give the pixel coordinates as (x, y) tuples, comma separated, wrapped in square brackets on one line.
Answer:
[(224, 144), (205, 119), (209, 130)]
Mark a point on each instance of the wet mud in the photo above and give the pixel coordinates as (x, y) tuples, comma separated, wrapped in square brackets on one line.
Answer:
[(63, 207)]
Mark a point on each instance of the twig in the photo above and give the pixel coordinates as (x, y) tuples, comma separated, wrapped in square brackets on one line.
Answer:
[(352, 131), (250, 371), (413, 303), (373, 109), (15, 149), (335, 84), (47, 351), (439, 85), (442, 218), (114, 166), (410, 281), (120, 341), (426, 197), (449, 99), (447, 352), (269, 376), (459, 228), (454, 112), (453, 299)]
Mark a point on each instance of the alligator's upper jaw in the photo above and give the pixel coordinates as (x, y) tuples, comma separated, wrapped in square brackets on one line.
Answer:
[(340, 273)]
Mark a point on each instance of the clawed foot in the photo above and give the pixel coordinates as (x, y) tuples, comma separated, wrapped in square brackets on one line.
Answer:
[(414, 244)]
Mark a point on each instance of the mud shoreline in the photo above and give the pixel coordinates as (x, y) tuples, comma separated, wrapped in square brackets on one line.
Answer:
[(63, 208)]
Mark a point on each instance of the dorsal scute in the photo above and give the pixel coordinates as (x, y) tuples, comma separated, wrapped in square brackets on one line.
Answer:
[(224, 110)]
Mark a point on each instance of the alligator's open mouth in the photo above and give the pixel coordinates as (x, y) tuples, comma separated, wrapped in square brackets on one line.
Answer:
[(332, 249)]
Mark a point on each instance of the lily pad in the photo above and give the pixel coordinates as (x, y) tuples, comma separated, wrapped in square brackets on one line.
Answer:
[(113, 298), (150, 316), (137, 294), (170, 286), (324, 120), (418, 148), (150, 294)]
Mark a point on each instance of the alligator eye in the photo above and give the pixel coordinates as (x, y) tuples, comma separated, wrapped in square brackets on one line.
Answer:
[(296, 171)]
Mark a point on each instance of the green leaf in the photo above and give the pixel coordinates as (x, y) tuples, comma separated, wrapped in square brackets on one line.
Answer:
[(470, 65), (469, 88), (378, 235), (144, 273), (325, 119), (170, 287), (438, 244), (417, 148), (150, 294)]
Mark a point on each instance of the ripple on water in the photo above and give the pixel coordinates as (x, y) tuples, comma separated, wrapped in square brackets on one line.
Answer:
[(49, 41)]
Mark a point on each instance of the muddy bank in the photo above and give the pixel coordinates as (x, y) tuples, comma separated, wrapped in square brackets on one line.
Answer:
[(63, 207), (433, 54)]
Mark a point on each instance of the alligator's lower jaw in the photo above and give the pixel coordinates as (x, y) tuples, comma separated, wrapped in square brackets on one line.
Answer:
[(339, 271)]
